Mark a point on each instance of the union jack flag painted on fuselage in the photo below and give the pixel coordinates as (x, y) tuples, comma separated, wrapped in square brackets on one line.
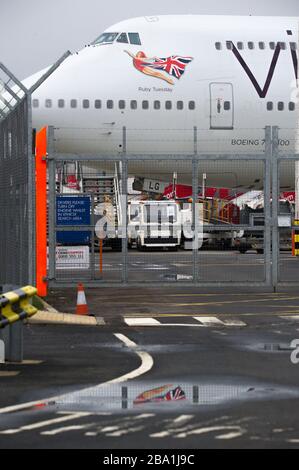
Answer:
[(174, 65)]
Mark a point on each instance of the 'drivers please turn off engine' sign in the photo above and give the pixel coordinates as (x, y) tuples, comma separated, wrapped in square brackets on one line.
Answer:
[(73, 211)]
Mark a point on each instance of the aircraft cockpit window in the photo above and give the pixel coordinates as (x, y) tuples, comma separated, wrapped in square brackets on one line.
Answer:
[(134, 39), (106, 38), (122, 38)]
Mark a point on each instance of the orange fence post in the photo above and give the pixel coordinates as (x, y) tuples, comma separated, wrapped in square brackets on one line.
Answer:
[(41, 211), (101, 256)]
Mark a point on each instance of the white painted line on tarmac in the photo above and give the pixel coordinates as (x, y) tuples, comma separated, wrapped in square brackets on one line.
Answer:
[(147, 363), (29, 427), (234, 323), (203, 322), (208, 321), (145, 321), (74, 427), (290, 317)]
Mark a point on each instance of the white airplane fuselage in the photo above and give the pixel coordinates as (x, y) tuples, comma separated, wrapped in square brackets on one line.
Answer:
[(235, 76)]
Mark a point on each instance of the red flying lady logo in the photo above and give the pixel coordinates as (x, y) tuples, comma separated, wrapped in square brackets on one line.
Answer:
[(154, 66)]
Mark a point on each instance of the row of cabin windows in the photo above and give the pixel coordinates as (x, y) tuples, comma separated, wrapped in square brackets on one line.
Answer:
[(251, 45), (281, 106), (110, 104)]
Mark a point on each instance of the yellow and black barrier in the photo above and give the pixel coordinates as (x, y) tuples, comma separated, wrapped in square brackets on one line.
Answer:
[(295, 238), (15, 305)]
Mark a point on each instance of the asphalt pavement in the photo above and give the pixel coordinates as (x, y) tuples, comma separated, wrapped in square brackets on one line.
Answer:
[(215, 369)]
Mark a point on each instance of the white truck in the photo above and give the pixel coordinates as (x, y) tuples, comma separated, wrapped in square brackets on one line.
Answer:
[(154, 224)]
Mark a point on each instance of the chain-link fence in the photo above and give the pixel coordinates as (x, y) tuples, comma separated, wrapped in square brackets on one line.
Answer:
[(16, 182), (17, 179), (188, 218)]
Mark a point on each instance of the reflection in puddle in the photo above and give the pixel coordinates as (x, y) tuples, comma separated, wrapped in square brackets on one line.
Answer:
[(172, 396), (160, 394)]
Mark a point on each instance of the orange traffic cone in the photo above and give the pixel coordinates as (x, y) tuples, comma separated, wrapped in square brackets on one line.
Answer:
[(82, 308)]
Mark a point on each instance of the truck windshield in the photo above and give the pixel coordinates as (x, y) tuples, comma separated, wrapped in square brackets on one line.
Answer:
[(106, 38), (134, 213), (161, 213)]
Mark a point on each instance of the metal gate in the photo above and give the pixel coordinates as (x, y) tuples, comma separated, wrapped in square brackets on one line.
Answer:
[(88, 193)]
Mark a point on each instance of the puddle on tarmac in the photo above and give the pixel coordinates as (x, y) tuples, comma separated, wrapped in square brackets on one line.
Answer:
[(269, 347), (151, 348), (173, 395)]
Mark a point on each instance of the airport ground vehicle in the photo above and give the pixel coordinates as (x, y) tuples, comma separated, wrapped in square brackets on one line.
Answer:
[(155, 224), (254, 239)]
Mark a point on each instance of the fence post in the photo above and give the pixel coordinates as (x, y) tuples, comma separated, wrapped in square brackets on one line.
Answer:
[(267, 205), (195, 139), (15, 349), (12, 336), (52, 203), (31, 196), (124, 210), (41, 211), (2, 350), (275, 198), (124, 139), (195, 221)]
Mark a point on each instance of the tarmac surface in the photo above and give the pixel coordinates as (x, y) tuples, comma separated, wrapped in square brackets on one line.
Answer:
[(166, 266), (227, 355)]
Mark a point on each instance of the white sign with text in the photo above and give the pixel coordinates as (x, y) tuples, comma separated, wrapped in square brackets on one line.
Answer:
[(74, 257)]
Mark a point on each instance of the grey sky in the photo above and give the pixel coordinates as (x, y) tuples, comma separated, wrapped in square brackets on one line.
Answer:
[(34, 33)]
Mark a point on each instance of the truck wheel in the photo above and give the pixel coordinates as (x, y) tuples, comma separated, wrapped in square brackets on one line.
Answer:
[(242, 250)]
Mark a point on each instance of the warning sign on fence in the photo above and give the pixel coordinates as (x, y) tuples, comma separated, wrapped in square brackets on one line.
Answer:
[(73, 257)]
